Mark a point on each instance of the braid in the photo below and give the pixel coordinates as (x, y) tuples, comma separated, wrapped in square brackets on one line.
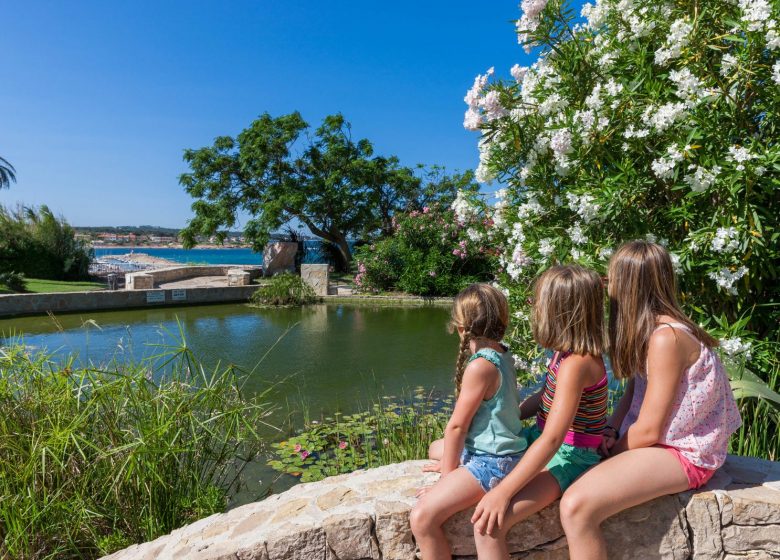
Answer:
[(464, 353)]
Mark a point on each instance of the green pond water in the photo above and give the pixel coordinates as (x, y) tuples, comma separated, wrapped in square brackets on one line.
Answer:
[(328, 358)]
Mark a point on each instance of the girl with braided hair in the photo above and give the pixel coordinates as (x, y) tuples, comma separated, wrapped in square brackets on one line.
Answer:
[(483, 435)]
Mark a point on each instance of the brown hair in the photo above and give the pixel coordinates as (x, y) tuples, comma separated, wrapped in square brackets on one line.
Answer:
[(568, 313), (483, 312), (642, 286)]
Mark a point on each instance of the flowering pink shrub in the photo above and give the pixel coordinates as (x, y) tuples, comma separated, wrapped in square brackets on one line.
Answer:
[(433, 252)]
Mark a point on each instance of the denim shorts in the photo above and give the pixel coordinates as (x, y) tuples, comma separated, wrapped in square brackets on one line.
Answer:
[(489, 470)]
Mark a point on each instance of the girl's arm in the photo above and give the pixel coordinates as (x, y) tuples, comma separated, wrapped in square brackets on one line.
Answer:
[(616, 420), (478, 379), (530, 406), (665, 364), (570, 383)]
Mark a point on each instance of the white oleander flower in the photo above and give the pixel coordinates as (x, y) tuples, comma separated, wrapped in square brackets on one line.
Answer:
[(689, 87), (606, 253), (676, 264), (662, 117), (725, 278), (701, 179), (546, 247), (518, 72), (772, 40), (734, 346), (663, 167), (463, 208), (595, 14), (532, 207), (727, 64), (576, 234), (755, 13), (740, 155), (678, 38), (584, 206), (776, 73), (726, 240)]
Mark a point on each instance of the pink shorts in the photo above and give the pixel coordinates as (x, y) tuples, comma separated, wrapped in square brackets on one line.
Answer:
[(697, 476)]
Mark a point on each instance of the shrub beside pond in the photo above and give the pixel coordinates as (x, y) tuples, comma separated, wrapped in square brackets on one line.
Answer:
[(430, 253), (388, 433), (284, 290), (92, 460)]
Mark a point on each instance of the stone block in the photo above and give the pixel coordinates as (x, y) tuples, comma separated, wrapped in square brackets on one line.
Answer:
[(279, 257), (238, 277), (139, 281), (316, 276)]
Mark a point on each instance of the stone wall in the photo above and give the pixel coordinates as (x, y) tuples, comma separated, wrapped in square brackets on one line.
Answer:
[(147, 279), (66, 302), (365, 515)]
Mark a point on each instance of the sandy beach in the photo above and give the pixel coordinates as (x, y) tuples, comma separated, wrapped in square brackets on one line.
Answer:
[(144, 259)]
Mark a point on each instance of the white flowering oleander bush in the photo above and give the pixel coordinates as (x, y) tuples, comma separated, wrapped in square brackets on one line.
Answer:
[(434, 252), (643, 119)]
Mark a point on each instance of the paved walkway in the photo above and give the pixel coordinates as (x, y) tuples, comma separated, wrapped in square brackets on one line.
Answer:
[(198, 282)]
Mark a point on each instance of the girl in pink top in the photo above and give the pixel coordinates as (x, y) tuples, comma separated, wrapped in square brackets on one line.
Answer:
[(670, 430)]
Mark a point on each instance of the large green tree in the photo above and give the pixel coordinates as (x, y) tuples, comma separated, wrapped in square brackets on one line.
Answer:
[(7, 174), (278, 172)]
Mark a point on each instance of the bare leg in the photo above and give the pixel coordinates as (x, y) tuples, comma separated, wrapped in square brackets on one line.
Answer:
[(536, 495), (453, 493), (626, 480), (436, 450)]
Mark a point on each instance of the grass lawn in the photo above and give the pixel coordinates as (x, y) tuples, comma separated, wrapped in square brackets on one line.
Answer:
[(34, 285)]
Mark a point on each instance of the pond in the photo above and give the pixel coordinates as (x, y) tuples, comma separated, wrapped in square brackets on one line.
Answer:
[(322, 358)]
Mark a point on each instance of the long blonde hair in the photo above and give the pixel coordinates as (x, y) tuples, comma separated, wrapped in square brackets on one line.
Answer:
[(568, 313), (642, 286), (483, 313)]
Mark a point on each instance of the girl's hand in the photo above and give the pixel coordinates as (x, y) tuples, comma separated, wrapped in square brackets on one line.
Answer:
[(490, 511), (434, 466), (605, 448)]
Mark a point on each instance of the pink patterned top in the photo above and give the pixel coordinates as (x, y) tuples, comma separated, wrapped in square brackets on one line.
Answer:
[(704, 413)]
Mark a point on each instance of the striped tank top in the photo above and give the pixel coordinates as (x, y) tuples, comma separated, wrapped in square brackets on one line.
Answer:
[(591, 418)]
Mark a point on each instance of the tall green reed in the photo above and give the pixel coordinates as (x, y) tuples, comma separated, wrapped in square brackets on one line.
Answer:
[(95, 458)]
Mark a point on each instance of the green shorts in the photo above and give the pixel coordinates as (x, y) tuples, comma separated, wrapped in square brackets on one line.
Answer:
[(568, 463)]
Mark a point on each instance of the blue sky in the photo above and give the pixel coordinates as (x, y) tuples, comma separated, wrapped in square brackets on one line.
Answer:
[(98, 99)]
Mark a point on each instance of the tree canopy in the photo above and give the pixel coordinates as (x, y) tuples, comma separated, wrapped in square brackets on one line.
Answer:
[(7, 174), (277, 171)]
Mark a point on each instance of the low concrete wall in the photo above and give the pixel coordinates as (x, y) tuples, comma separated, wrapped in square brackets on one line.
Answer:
[(66, 302), (172, 274), (365, 515)]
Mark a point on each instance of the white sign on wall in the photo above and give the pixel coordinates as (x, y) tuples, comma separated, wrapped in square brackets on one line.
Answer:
[(155, 297), (178, 295)]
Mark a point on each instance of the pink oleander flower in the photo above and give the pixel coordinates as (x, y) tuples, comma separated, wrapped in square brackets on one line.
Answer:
[(304, 454), (297, 447), (342, 445), (426, 209), (432, 274)]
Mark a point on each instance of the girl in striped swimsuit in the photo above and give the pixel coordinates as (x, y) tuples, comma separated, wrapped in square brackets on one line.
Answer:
[(570, 409)]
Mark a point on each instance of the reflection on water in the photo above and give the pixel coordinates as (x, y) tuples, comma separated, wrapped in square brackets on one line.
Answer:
[(320, 358)]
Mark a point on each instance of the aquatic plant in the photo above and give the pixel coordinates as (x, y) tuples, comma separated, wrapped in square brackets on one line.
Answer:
[(388, 432), (284, 290)]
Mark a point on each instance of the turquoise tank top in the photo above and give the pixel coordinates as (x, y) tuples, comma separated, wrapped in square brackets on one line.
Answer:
[(496, 428)]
